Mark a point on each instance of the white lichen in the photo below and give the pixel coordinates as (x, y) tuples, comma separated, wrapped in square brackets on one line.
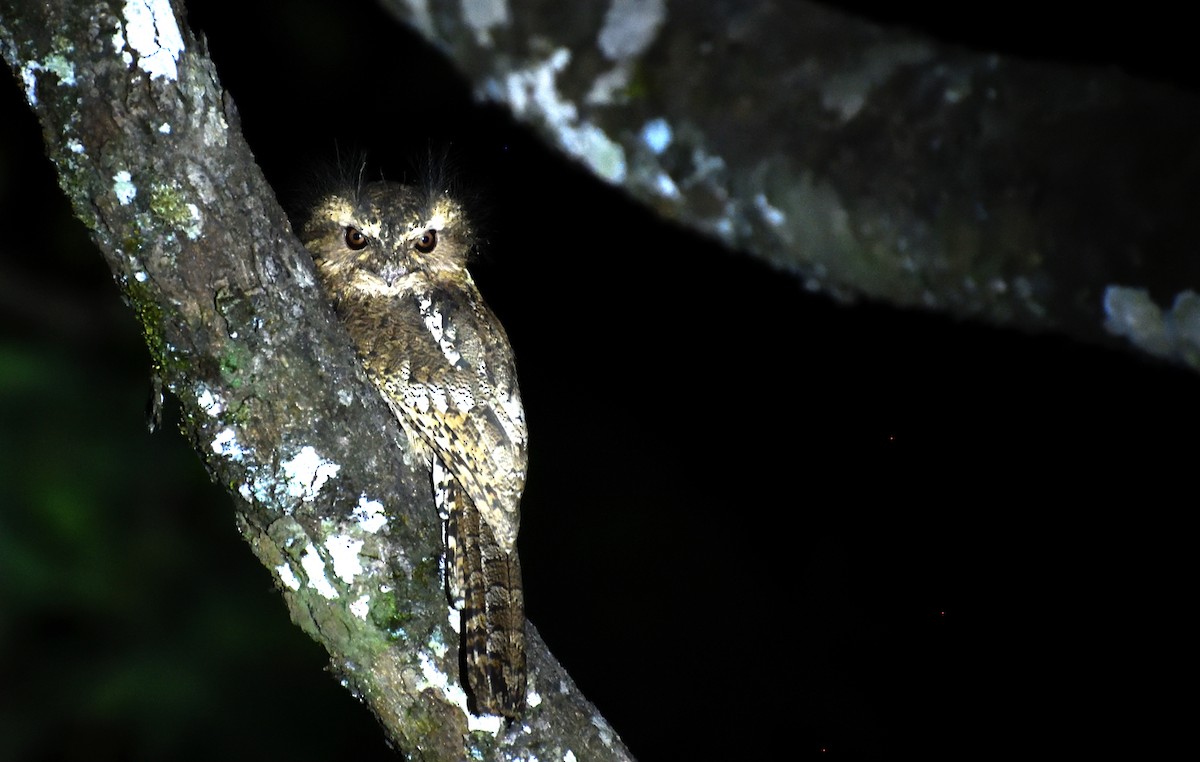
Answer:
[(705, 167), (193, 228), (666, 187), (630, 26), (437, 645), (610, 87), (533, 92), (420, 18), (74, 146), (1132, 314), (29, 80), (253, 490), (369, 515), (211, 403), (226, 444), (287, 576), (60, 66), (305, 474), (601, 154), (343, 552), (215, 129), (314, 569), (657, 135), (569, 756), (774, 216), (487, 723), (264, 486), (164, 128), (603, 729), (124, 188), (361, 607), (1183, 325), (723, 227), (432, 677), (118, 43), (152, 32), (55, 63), (482, 15)]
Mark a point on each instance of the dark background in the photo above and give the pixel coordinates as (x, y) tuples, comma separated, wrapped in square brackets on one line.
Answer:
[(757, 523)]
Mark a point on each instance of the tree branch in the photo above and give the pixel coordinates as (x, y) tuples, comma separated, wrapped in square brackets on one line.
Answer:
[(869, 161), (148, 149)]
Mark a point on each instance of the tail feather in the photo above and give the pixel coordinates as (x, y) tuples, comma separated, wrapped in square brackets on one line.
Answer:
[(493, 609)]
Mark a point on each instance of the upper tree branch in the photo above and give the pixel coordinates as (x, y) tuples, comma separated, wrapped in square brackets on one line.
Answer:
[(868, 161), (148, 150)]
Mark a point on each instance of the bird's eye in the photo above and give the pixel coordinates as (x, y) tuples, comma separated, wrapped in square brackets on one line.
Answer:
[(355, 238), (427, 242)]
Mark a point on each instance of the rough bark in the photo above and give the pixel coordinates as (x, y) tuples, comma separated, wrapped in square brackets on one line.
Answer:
[(148, 149), (867, 161)]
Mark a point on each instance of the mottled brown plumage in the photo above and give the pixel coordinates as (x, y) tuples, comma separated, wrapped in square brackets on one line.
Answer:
[(392, 259)]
